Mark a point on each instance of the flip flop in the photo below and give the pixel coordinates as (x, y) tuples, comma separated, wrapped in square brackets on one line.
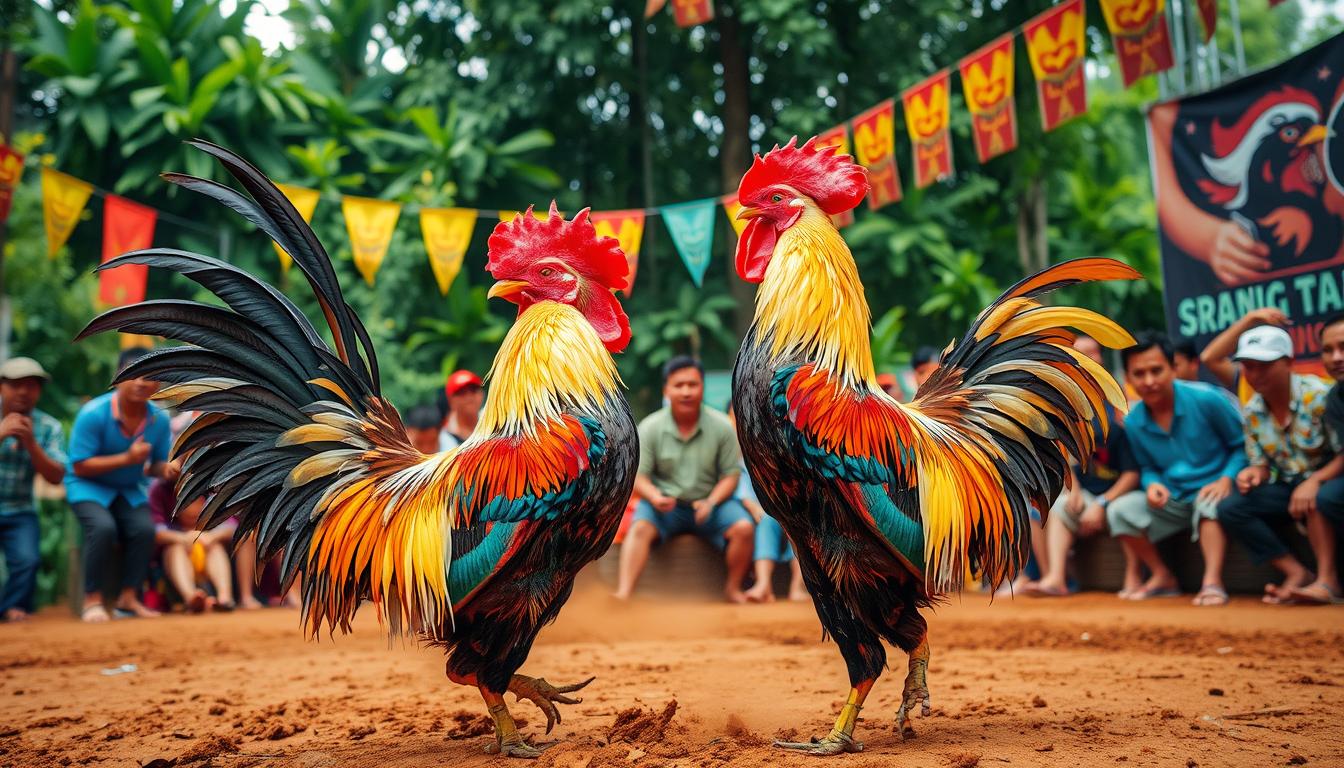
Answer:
[(1210, 596), (1036, 590), (1148, 594), (94, 614), (1316, 594), (1274, 595)]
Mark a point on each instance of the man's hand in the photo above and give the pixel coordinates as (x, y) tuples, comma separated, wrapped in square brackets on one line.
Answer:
[(1266, 316), (1236, 256), (172, 470), (1158, 495), (703, 509), (1093, 520), (19, 426), (1216, 491), (1251, 477), (138, 453), (1073, 503), (663, 503), (1303, 500)]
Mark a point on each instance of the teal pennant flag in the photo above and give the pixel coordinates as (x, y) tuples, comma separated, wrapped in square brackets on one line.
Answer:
[(692, 228)]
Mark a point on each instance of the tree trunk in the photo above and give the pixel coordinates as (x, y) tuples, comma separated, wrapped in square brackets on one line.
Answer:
[(735, 150), (1033, 245)]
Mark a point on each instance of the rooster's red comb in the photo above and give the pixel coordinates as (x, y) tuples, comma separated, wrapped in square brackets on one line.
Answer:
[(835, 182), (517, 243)]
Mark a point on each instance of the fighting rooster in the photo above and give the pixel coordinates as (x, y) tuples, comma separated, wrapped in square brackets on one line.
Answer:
[(474, 549), (891, 506)]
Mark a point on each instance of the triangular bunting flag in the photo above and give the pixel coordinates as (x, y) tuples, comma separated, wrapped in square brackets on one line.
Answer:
[(692, 228), (63, 200), (370, 224), (305, 202), (628, 229), (127, 227), (447, 233)]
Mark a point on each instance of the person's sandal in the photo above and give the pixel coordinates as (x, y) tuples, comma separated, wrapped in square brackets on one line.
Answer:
[(94, 614), (1317, 594), (1210, 596)]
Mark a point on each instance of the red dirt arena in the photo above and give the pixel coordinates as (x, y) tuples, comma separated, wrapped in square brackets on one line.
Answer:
[(1088, 681)]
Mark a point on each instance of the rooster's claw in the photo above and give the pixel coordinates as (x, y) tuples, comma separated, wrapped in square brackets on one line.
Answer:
[(835, 744), (545, 695)]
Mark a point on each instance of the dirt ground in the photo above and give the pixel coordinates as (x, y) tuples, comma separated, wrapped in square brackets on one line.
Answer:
[(1081, 682)]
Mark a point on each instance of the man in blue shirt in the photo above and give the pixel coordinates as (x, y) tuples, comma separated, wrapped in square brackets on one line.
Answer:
[(30, 445), (1187, 440), (118, 442)]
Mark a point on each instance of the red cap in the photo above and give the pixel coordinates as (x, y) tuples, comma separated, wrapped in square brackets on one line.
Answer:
[(460, 379)]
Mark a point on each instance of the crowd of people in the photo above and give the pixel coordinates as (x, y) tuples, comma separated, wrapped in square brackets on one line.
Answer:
[(1192, 457)]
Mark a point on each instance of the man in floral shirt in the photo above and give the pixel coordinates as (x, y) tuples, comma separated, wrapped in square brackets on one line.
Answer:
[(1288, 455)]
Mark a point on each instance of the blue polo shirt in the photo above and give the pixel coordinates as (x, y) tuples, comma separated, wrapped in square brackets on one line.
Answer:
[(97, 433), (1206, 441)]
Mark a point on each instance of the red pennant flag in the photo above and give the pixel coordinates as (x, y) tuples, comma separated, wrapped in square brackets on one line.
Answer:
[(692, 12), (1208, 14), (127, 227), (926, 114), (1139, 31), (628, 229), (987, 79), (11, 168), (837, 137), (875, 149), (1056, 48)]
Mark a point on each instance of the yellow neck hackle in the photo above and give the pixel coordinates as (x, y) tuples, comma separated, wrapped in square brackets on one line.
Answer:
[(811, 302), (550, 360)]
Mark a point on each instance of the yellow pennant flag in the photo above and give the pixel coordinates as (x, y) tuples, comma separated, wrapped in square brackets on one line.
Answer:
[(731, 206), (447, 234), (63, 200), (305, 202), (370, 224)]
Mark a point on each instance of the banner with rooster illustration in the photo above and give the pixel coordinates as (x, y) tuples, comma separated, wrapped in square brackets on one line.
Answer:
[(987, 79), (1055, 46), (926, 117), (875, 149), (1139, 30), (1250, 198)]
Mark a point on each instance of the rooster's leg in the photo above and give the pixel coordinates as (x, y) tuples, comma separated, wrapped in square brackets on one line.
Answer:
[(841, 737), (508, 741), (545, 695), (916, 688)]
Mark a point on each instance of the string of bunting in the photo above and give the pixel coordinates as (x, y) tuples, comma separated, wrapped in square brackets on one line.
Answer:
[(1056, 49)]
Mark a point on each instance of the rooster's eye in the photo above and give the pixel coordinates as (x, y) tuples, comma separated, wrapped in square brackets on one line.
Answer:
[(775, 198), (547, 272)]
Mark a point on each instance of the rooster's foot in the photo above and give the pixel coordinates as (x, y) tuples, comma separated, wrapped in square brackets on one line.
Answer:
[(834, 744), (916, 690), (514, 747), (545, 695)]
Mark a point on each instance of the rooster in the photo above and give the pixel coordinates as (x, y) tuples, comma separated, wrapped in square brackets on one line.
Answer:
[(892, 506), (474, 549)]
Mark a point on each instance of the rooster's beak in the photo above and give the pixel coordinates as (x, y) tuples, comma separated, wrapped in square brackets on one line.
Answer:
[(506, 289), (1315, 135), (748, 213)]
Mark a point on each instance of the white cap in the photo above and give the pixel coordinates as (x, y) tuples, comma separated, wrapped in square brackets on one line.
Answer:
[(1265, 343), (22, 368)]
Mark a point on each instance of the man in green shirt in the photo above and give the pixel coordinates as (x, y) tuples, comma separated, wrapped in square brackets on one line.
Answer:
[(688, 469)]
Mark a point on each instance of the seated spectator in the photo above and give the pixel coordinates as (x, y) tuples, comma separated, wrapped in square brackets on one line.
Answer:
[(422, 426), (1288, 457), (1217, 356), (463, 397), (924, 363), (1187, 441), (192, 559), (1081, 509), (118, 442), (891, 385), (688, 470), (250, 577), (30, 445), (771, 546), (1325, 520), (1185, 357)]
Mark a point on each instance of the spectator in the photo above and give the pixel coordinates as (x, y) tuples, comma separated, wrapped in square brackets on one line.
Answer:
[(119, 440), (891, 385), (463, 396), (1326, 520), (924, 363), (245, 565), (192, 559), (30, 445), (1288, 453), (688, 470), (422, 426), (771, 545), (1185, 360), (1081, 510), (1187, 440), (1217, 356)]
